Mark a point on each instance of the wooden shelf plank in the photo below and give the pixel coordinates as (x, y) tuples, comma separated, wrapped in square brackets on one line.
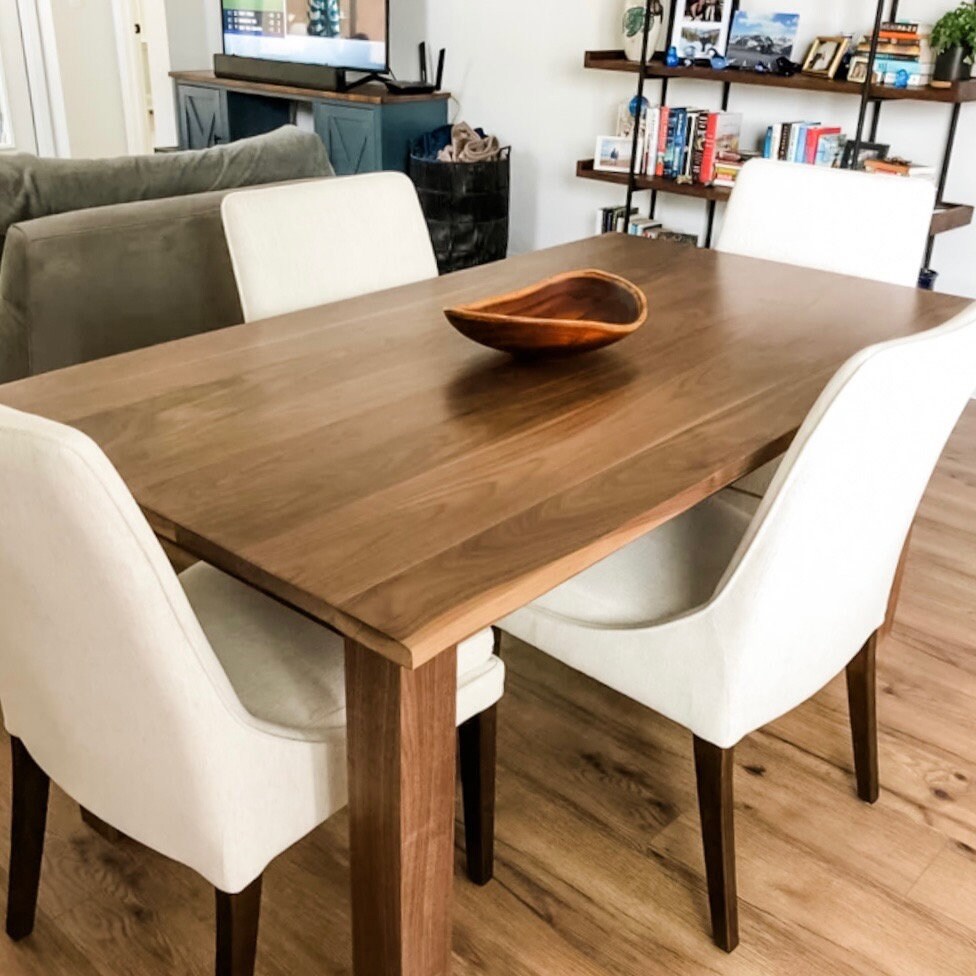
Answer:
[(585, 170), (951, 216), (948, 216), (962, 91)]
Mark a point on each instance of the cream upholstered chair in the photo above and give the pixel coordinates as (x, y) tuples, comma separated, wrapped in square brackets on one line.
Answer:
[(723, 622), (809, 216), (803, 215), (192, 713), (300, 245)]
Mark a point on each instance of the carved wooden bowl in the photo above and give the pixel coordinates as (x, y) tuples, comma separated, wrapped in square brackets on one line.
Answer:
[(567, 314)]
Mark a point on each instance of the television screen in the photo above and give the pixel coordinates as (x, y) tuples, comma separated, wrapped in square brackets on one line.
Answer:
[(337, 33)]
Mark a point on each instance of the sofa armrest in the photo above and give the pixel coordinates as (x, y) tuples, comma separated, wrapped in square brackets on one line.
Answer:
[(92, 283)]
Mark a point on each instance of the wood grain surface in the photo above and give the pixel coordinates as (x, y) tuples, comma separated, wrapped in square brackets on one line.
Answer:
[(569, 313), (371, 467), (401, 812), (599, 862)]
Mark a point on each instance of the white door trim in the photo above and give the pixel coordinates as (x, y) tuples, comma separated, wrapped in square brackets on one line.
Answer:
[(137, 135), (44, 76)]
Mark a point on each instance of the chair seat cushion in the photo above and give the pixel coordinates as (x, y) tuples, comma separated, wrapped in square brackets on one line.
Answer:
[(667, 572), (289, 672)]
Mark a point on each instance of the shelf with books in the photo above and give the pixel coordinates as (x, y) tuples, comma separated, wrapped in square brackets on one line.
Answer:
[(959, 93), (873, 50), (947, 216), (585, 170)]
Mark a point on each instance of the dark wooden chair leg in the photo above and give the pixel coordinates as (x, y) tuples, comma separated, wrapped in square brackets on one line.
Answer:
[(30, 795), (713, 768), (862, 703), (477, 750), (237, 930)]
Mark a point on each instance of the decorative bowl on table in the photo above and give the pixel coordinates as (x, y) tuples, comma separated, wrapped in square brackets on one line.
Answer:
[(569, 313)]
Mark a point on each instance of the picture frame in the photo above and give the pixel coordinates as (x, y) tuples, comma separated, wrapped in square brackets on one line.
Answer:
[(613, 154), (826, 56), (761, 38), (701, 27), (857, 71), (868, 150)]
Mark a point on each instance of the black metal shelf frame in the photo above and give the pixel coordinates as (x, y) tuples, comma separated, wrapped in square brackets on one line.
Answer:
[(867, 103)]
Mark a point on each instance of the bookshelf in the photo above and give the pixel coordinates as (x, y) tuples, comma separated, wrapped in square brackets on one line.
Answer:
[(947, 216), (961, 91)]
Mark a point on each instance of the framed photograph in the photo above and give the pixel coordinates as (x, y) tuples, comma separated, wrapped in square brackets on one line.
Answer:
[(868, 150), (701, 27), (825, 57), (858, 70), (761, 38), (612, 154)]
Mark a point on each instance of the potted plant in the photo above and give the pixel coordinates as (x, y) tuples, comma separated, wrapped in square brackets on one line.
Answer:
[(954, 42)]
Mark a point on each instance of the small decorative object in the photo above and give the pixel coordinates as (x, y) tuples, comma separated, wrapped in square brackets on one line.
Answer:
[(613, 153), (701, 27), (867, 150), (570, 313), (901, 79), (761, 39), (954, 42), (633, 28), (672, 60), (857, 71), (825, 57)]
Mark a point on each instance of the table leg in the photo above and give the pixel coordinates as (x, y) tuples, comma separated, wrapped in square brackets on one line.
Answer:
[(401, 727)]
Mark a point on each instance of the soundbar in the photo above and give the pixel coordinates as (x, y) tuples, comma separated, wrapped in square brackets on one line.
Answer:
[(267, 72)]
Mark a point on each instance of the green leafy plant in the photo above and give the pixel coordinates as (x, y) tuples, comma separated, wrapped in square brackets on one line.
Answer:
[(957, 28)]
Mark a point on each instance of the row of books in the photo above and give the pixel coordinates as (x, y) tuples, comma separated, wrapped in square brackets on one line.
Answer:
[(687, 145), (804, 142), (902, 47), (613, 219)]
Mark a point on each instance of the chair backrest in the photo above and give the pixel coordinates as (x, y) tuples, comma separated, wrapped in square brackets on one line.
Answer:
[(812, 578), (867, 225), (299, 246), (105, 672)]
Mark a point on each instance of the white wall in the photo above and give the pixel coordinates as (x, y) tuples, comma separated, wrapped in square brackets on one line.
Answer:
[(517, 69), (87, 60)]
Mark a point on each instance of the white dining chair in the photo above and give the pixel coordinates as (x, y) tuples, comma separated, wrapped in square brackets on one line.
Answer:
[(867, 225), (192, 713), (723, 622), (300, 245)]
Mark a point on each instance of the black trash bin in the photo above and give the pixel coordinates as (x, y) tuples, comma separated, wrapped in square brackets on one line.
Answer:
[(466, 207)]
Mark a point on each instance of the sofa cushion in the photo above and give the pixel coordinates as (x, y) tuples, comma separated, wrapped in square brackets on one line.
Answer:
[(32, 187), (96, 282)]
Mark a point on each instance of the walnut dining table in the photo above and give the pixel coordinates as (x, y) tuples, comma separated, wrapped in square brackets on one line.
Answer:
[(367, 465)]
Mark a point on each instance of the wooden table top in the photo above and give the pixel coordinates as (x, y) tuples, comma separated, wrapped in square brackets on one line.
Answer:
[(371, 467)]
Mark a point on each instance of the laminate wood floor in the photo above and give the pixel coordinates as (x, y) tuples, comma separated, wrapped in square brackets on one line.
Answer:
[(599, 869)]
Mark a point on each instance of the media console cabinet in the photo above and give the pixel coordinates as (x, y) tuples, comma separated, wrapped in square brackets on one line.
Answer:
[(364, 130)]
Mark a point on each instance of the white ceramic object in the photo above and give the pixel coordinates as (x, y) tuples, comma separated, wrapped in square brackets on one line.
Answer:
[(632, 28)]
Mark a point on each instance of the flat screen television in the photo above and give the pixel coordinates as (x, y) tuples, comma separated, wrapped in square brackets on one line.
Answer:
[(344, 34)]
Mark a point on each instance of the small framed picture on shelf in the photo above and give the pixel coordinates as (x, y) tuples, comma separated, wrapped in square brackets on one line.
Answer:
[(612, 154), (701, 27), (858, 70), (761, 38), (867, 150), (826, 56)]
